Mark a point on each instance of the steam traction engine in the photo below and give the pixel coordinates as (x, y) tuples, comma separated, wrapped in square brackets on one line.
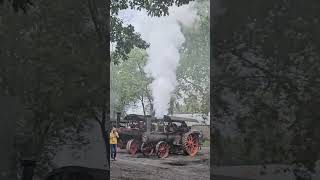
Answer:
[(169, 135), (130, 131)]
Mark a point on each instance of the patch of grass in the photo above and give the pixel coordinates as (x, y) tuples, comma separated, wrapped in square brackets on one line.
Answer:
[(205, 143)]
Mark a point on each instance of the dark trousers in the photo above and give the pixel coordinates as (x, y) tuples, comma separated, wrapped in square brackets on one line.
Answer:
[(113, 150)]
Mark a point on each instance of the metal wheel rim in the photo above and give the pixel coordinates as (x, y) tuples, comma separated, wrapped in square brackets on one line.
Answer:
[(132, 147), (191, 145), (162, 150)]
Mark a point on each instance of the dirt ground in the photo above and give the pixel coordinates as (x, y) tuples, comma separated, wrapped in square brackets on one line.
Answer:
[(180, 167), (175, 167)]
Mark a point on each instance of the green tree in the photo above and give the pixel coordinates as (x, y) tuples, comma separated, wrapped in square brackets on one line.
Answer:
[(265, 61), (129, 83), (193, 72)]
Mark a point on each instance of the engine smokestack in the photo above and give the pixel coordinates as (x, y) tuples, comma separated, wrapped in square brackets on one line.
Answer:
[(148, 122)]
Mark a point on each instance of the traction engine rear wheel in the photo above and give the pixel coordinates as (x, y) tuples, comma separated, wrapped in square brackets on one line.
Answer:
[(132, 147), (190, 144), (162, 149)]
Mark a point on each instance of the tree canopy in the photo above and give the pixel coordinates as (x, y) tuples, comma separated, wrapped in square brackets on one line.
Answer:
[(123, 36), (129, 83), (194, 70), (265, 79)]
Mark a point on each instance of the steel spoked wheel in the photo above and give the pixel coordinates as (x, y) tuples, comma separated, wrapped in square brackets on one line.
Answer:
[(191, 144), (132, 147), (162, 149), (147, 149)]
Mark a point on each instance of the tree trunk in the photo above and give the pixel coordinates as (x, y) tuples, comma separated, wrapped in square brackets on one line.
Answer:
[(105, 136), (102, 26), (28, 169), (143, 107), (152, 113), (142, 99)]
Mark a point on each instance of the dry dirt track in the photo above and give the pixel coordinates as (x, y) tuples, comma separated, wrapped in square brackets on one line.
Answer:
[(175, 167)]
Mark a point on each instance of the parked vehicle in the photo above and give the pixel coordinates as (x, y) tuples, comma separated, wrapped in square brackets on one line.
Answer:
[(167, 135)]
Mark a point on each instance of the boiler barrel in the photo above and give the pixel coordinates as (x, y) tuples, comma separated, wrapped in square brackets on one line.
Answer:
[(156, 137)]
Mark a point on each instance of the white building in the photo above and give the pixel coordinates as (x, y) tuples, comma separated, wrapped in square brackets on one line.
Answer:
[(202, 119)]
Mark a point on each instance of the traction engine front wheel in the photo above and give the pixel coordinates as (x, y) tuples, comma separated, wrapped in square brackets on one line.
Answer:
[(190, 144), (132, 147), (162, 149)]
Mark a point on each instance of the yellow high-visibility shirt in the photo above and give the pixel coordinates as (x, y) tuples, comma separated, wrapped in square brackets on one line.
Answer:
[(114, 138)]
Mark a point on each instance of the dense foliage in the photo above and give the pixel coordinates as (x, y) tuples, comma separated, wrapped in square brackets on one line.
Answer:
[(194, 70), (265, 81), (130, 85)]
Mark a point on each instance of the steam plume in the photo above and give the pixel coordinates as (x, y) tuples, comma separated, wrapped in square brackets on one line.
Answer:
[(165, 38)]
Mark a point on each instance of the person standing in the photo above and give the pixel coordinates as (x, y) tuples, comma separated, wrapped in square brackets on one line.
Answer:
[(113, 142)]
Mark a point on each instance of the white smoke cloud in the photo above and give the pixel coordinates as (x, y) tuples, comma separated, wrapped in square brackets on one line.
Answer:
[(165, 38)]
